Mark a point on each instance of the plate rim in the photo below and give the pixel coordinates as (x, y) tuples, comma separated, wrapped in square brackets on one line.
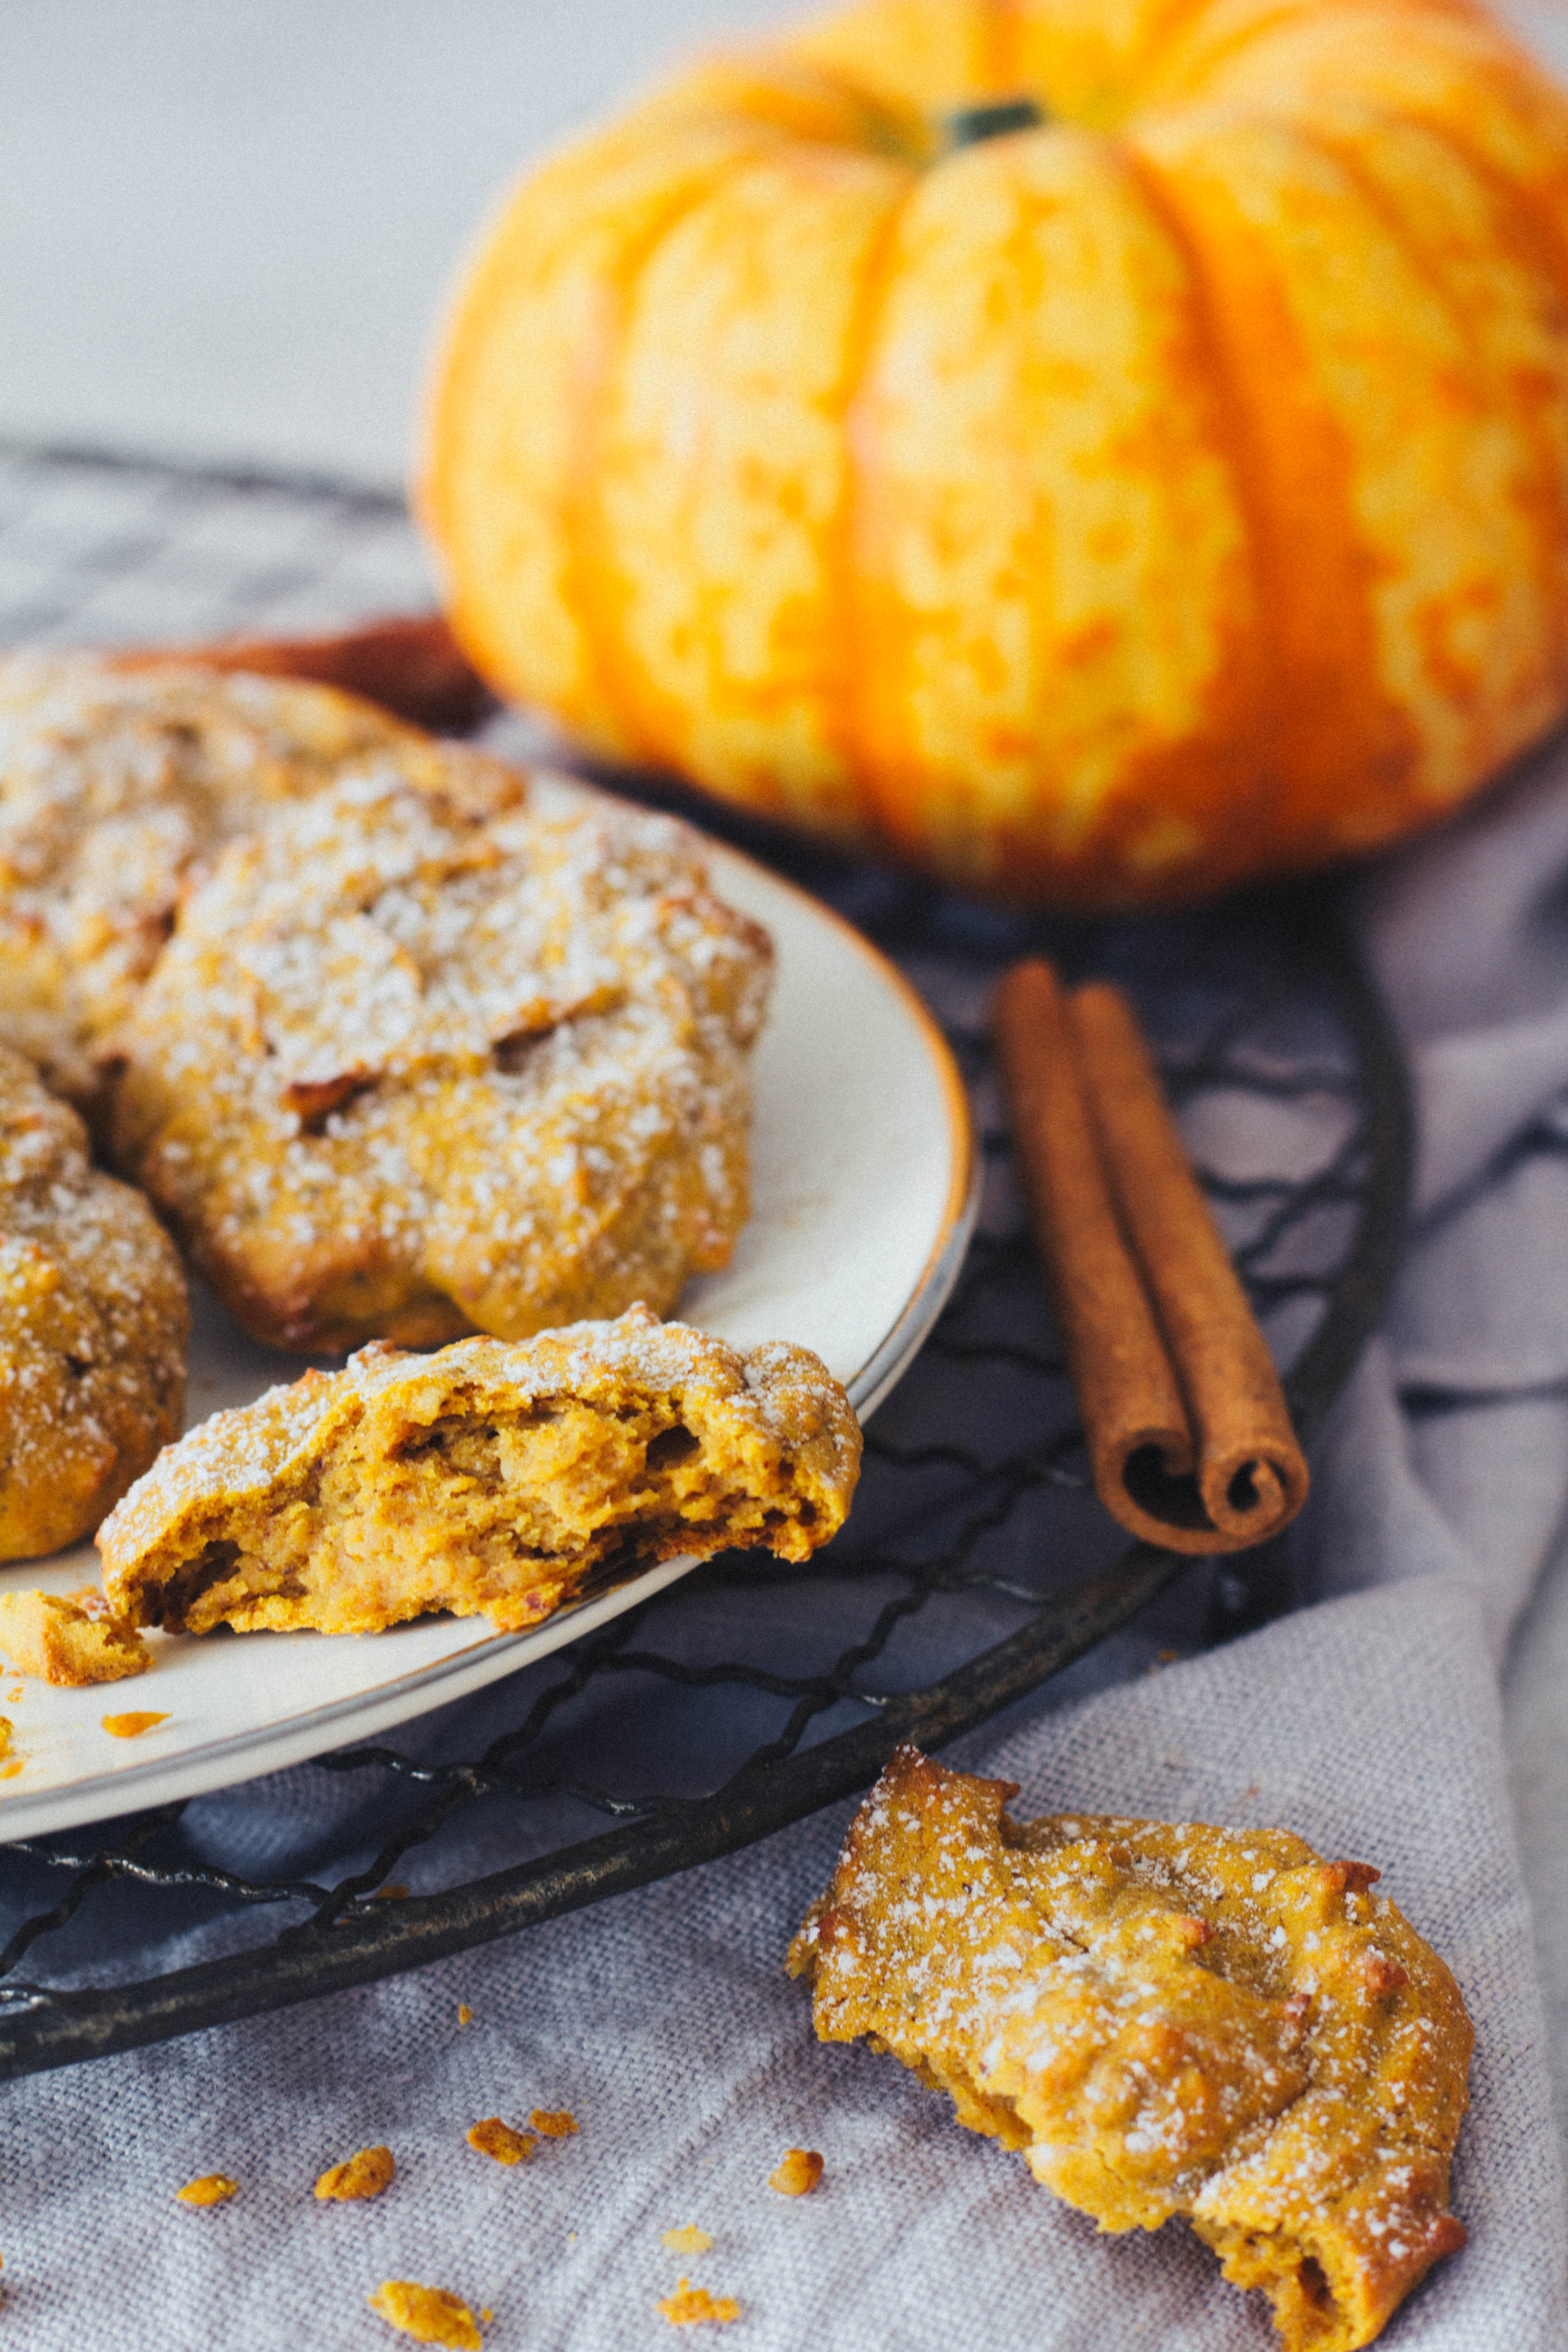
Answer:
[(203, 1771), (877, 1375)]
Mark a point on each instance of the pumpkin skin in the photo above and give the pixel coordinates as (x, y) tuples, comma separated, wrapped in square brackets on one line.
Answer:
[(1099, 513)]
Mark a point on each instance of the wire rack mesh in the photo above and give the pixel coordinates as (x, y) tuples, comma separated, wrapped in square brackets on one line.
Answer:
[(977, 1562)]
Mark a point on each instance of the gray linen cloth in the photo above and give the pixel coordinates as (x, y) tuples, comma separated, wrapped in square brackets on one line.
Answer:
[(1370, 1723)]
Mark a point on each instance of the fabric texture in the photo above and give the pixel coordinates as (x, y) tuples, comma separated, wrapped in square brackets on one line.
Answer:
[(1368, 1721)]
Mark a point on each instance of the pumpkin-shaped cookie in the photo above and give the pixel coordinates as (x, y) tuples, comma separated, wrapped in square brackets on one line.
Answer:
[(1099, 453)]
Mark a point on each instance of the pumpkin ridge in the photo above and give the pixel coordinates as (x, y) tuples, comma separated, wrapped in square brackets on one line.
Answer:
[(1321, 616), (847, 732), (1487, 747), (1545, 535), (1281, 16), (1540, 245), (516, 259), (1543, 241), (1243, 456), (1163, 38), (728, 638), (771, 92), (598, 607)]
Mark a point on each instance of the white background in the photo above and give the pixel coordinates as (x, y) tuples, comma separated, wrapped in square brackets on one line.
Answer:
[(225, 225)]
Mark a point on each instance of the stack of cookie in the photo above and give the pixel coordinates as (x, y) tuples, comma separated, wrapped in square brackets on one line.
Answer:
[(400, 1045)]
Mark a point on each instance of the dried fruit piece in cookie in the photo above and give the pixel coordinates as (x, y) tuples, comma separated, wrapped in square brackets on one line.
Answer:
[(1164, 2019), (61, 1644), (112, 789), (431, 2314), (491, 1477), (404, 1071), (93, 1323)]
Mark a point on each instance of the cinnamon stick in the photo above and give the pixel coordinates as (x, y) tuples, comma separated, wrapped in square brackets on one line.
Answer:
[(1189, 1436), (1127, 1392), (412, 666)]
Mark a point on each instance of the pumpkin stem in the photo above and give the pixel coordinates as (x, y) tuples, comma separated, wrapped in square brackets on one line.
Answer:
[(967, 126)]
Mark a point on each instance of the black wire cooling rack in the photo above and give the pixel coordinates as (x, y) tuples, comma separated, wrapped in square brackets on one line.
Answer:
[(977, 1562)]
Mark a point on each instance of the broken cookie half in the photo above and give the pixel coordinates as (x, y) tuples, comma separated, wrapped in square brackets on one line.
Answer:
[(1164, 2018), (490, 1478)]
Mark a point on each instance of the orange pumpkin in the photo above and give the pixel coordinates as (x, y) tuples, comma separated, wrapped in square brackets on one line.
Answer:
[(1169, 490)]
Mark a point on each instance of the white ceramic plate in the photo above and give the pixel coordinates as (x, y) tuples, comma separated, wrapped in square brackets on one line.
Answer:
[(865, 1187)]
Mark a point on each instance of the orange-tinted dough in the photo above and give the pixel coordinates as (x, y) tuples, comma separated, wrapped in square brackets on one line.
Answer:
[(1164, 2020)]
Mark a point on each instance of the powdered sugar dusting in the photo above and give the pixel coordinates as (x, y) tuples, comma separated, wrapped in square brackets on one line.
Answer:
[(93, 1320), (1164, 2019), (114, 787), (402, 1049), (790, 1406)]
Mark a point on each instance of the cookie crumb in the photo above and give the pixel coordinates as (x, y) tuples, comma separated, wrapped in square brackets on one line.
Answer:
[(5, 1735), (364, 2175), (210, 2189), (132, 1727), (465, 2014), (494, 2138), (798, 2173), (687, 2240), (689, 2306), (431, 2314), (55, 1642), (554, 2123), (9, 1771)]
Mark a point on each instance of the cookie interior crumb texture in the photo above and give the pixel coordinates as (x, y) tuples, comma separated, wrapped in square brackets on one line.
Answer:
[(491, 1479), (500, 2142), (797, 2172), (412, 1066), (1164, 2020), (210, 2189), (431, 2314), (57, 1641), (93, 1324), (690, 2306), (364, 2175)]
